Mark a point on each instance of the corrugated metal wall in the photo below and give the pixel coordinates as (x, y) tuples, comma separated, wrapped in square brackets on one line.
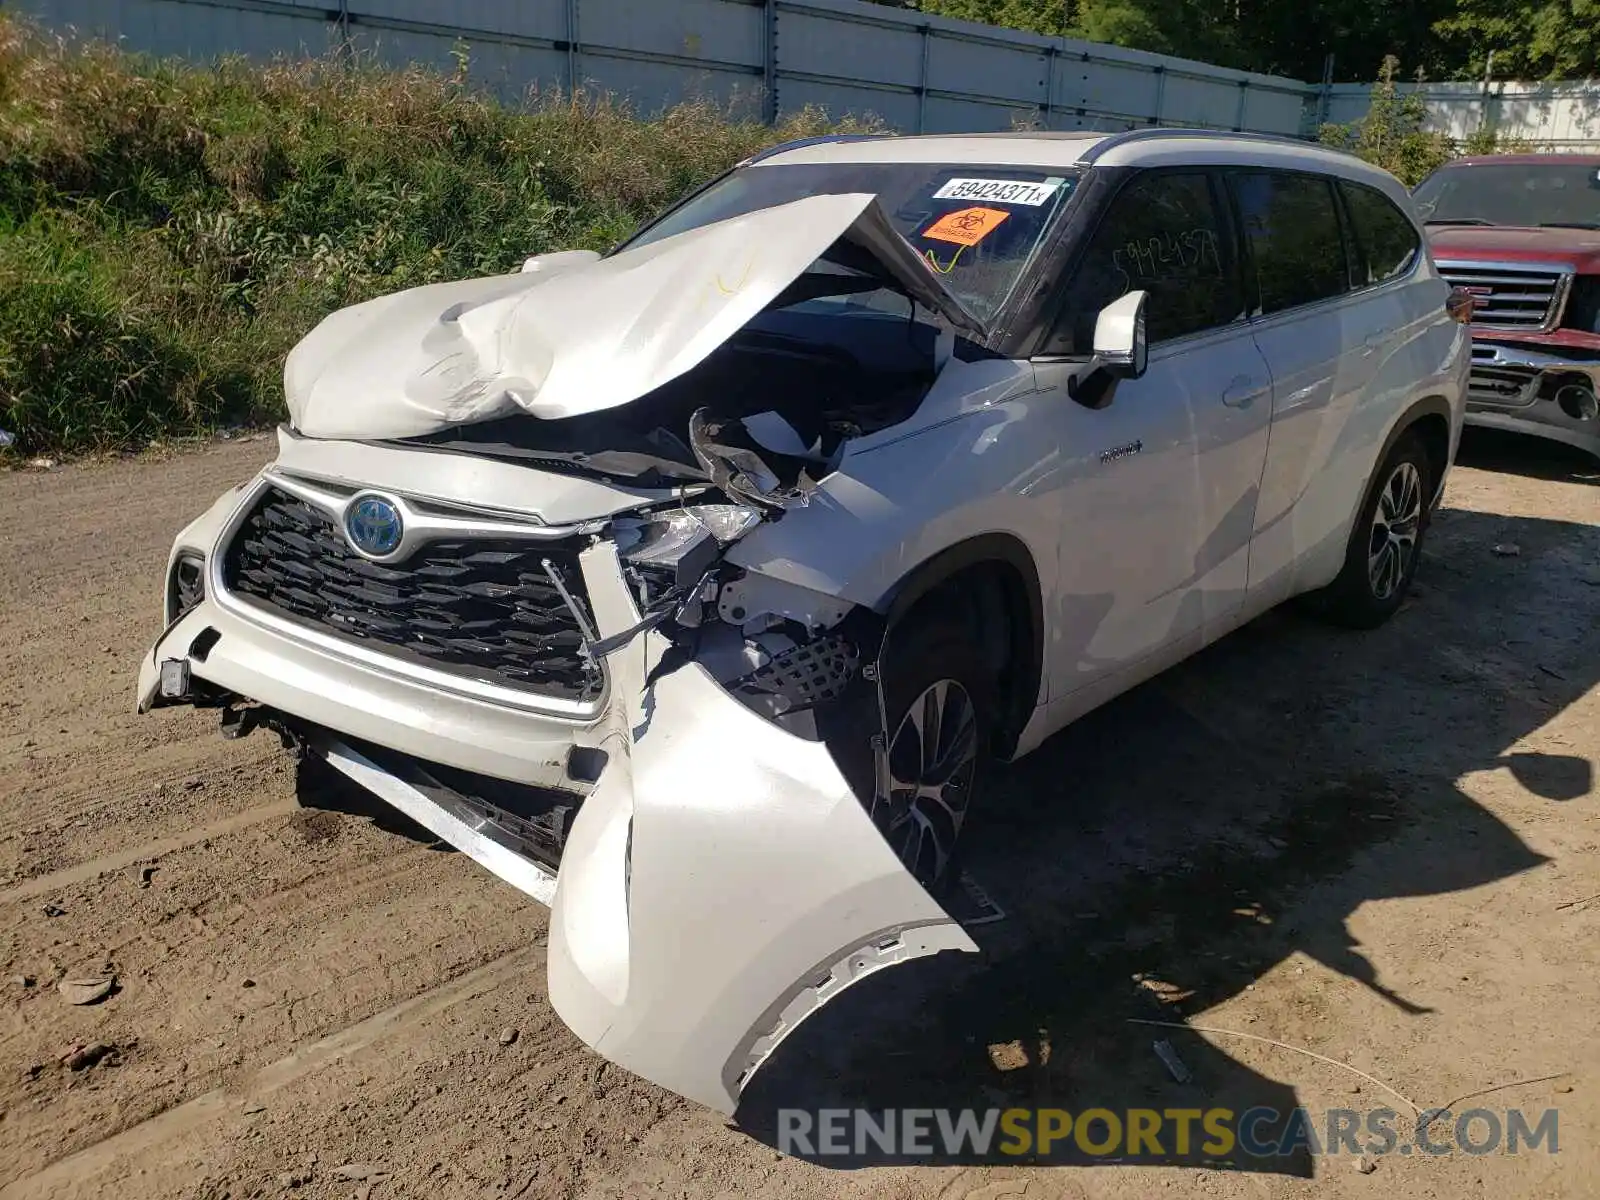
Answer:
[(1552, 116), (915, 72)]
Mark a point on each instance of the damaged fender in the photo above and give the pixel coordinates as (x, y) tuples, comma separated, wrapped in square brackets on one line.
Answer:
[(722, 881)]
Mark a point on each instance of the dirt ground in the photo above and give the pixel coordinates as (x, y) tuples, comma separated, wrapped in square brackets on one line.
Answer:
[(1384, 848)]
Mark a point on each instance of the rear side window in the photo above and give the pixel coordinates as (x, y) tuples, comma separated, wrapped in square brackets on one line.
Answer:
[(1385, 237), (1162, 234), (1293, 231)]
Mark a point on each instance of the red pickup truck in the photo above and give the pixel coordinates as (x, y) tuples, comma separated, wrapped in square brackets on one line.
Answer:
[(1521, 234)]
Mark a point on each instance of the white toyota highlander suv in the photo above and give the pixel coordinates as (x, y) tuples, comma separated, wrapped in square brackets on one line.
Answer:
[(694, 589)]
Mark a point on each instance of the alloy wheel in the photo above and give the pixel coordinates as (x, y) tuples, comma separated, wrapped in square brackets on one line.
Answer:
[(1393, 542), (933, 760)]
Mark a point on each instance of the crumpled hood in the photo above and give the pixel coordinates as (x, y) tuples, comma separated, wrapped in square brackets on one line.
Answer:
[(581, 335)]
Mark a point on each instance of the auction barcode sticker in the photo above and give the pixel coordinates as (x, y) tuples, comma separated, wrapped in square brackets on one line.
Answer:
[(1001, 191)]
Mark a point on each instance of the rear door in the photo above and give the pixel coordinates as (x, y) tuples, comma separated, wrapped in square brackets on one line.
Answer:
[(1159, 491), (1326, 326)]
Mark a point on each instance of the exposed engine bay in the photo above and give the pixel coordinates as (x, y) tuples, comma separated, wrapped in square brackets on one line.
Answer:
[(764, 415)]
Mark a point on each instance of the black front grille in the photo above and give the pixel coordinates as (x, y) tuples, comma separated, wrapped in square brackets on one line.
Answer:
[(482, 609)]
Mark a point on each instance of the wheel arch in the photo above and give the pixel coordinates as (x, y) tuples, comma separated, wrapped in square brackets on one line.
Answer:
[(991, 573), (1430, 416)]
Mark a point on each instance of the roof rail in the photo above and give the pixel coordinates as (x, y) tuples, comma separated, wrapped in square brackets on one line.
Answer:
[(1152, 132), (802, 143)]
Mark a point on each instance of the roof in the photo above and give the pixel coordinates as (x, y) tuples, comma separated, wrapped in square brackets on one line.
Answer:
[(1025, 148), (1148, 147), (1525, 160)]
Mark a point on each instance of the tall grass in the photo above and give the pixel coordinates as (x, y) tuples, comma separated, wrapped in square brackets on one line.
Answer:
[(167, 232)]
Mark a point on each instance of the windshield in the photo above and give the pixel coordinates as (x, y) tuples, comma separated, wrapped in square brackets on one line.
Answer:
[(1558, 193), (977, 227)]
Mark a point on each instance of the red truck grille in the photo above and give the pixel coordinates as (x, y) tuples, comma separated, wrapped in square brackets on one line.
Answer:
[(1511, 296)]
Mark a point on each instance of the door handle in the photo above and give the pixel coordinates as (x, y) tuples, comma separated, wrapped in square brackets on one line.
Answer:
[(1241, 392), (1373, 340)]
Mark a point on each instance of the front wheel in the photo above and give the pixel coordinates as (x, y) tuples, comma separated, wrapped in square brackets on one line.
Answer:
[(1386, 543), (939, 699)]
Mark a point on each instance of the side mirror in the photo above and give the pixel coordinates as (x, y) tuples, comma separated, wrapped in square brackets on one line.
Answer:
[(1120, 348), (1120, 352)]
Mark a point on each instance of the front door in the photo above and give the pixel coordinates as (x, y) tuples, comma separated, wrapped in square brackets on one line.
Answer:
[(1158, 486)]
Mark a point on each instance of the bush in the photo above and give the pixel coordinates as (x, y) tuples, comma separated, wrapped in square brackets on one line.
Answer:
[(167, 232), (1392, 134), (88, 357)]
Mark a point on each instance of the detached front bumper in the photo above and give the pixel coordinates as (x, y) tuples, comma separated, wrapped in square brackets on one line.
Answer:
[(719, 883), (1536, 390)]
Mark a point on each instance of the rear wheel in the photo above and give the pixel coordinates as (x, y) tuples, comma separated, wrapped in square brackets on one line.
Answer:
[(1386, 543)]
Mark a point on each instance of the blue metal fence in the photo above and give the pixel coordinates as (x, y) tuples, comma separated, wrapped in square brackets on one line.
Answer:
[(916, 72)]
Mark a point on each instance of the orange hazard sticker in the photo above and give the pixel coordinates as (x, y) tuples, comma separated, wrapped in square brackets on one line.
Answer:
[(967, 227)]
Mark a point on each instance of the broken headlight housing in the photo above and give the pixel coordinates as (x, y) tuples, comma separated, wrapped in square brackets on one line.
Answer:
[(776, 648), (678, 546), (186, 584)]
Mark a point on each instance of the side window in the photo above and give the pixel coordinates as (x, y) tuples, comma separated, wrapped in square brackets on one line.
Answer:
[(1388, 241), (1163, 234), (1293, 231)]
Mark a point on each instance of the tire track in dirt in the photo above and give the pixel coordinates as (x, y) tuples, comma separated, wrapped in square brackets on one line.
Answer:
[(238, 948), (80, 1169), (107, 864)]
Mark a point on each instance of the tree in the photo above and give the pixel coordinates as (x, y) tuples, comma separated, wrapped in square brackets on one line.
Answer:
[(1530, 39), (1204, 29), (1294, 37), (1392, 134), (1550, 39), (1048, 17), (1191, 28)]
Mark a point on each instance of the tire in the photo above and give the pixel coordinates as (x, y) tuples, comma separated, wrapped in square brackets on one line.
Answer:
[(934, 675), (1385, 543)]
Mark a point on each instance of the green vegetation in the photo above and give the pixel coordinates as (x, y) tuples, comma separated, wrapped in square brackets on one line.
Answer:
[(1392, 133), (168, 232), (1451, 39)]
